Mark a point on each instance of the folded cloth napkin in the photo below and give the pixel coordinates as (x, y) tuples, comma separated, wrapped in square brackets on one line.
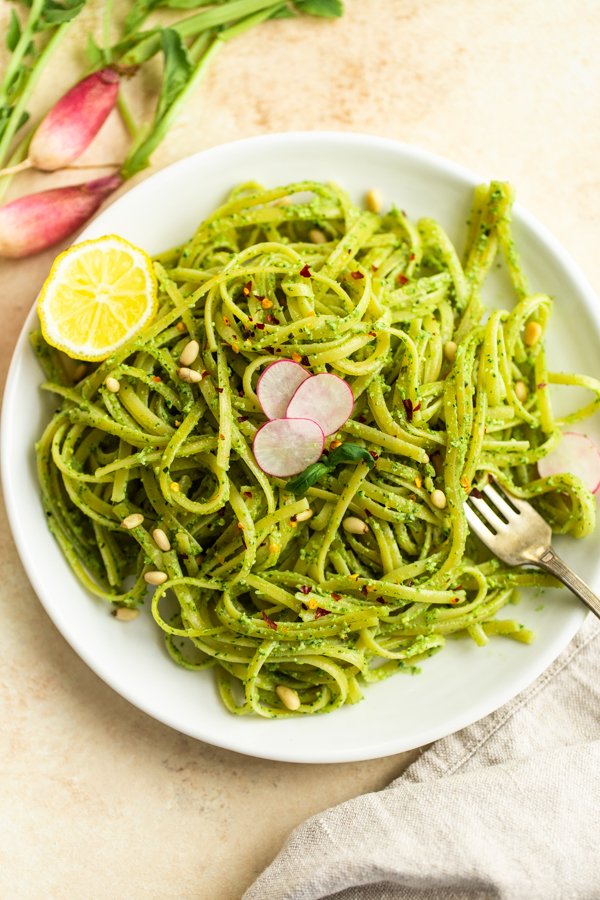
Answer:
[(507, 808)]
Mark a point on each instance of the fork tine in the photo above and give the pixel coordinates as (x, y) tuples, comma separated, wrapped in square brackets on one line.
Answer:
[(476, 525), (488, 513), (499, 502)]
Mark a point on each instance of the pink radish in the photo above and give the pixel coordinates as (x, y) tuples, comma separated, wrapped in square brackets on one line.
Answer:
[(285, 447), (37, 221), (72, 123), (576, 454), (326, 398), (277, 385)]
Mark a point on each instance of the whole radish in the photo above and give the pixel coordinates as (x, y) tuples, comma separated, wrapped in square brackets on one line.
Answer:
[(33, 223), (74, 121)]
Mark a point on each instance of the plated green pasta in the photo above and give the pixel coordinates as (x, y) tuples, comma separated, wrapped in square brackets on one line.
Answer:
[(148, 474)]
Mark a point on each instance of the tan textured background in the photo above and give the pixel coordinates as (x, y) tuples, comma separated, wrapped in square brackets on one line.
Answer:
[(96, 799)]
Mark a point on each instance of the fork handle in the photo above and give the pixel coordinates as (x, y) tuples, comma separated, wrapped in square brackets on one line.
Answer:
[(552, 563)]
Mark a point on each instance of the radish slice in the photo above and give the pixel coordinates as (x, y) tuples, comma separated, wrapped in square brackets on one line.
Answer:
[(285, 447), (277, 385), (327, 399), (577, 454)]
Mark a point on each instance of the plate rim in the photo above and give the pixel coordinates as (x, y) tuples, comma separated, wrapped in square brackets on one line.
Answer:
[(378, 749)]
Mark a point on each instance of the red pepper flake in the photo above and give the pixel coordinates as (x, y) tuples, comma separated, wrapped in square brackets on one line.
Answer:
[(364, 590), (268, 621), (455, 600), (356, 275), (361, 419), (271, 319), (247, 495), (321, 612), (220, 390), (242, 418), (380, 600), (305, 589), (411, 257), (367, 513), (475, 492), (372, 334), (156, 379), (240, 392), (260, 326), (408, 408), (269, 349), (336, 596), (374, 455), (374, 268), (205, 373), (305, 361), (246, 334), (258, 297), (542, 385), (247, 289), (402, 279), (305, 272)]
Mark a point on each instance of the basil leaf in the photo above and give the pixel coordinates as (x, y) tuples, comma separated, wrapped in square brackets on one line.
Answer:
[(302, 482), (348, 453)]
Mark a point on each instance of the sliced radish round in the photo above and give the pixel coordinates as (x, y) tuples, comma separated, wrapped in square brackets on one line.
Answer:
[(575, 453), (277, 385), (327, 399), (285, 447)]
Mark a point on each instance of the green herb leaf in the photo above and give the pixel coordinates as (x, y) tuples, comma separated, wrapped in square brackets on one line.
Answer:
[(58, 13), (13, 32), (345, 453), (177, 70), (328, 9), (96, 55), (348, 453), (302, 482)]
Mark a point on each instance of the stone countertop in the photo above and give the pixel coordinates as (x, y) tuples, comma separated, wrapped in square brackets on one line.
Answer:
[(97, 800)]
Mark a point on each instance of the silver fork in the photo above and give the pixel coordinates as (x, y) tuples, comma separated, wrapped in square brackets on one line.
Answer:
[(520, 536)]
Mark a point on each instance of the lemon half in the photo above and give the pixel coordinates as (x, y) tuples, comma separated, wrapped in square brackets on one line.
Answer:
[(98, 295)]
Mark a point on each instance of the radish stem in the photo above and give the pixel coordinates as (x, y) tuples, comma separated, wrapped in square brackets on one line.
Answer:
[(20, 50), (19, 108)]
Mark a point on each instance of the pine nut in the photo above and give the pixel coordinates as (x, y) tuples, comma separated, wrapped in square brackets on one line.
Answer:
[(190, 376), (354, 525), (288, 696), (161, 540), (438, 499), (317, 236), (304, 516), (450, 350), (521, 392), (125, 614), (189, 354), (111, 384), (533, 333), (132, 521), (155, 577), (374, 200)]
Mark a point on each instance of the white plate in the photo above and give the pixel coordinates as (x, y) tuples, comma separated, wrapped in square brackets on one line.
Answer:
[(463, 682)]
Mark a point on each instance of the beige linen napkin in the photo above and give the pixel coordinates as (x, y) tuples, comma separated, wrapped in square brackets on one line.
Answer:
[(507, 808)]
